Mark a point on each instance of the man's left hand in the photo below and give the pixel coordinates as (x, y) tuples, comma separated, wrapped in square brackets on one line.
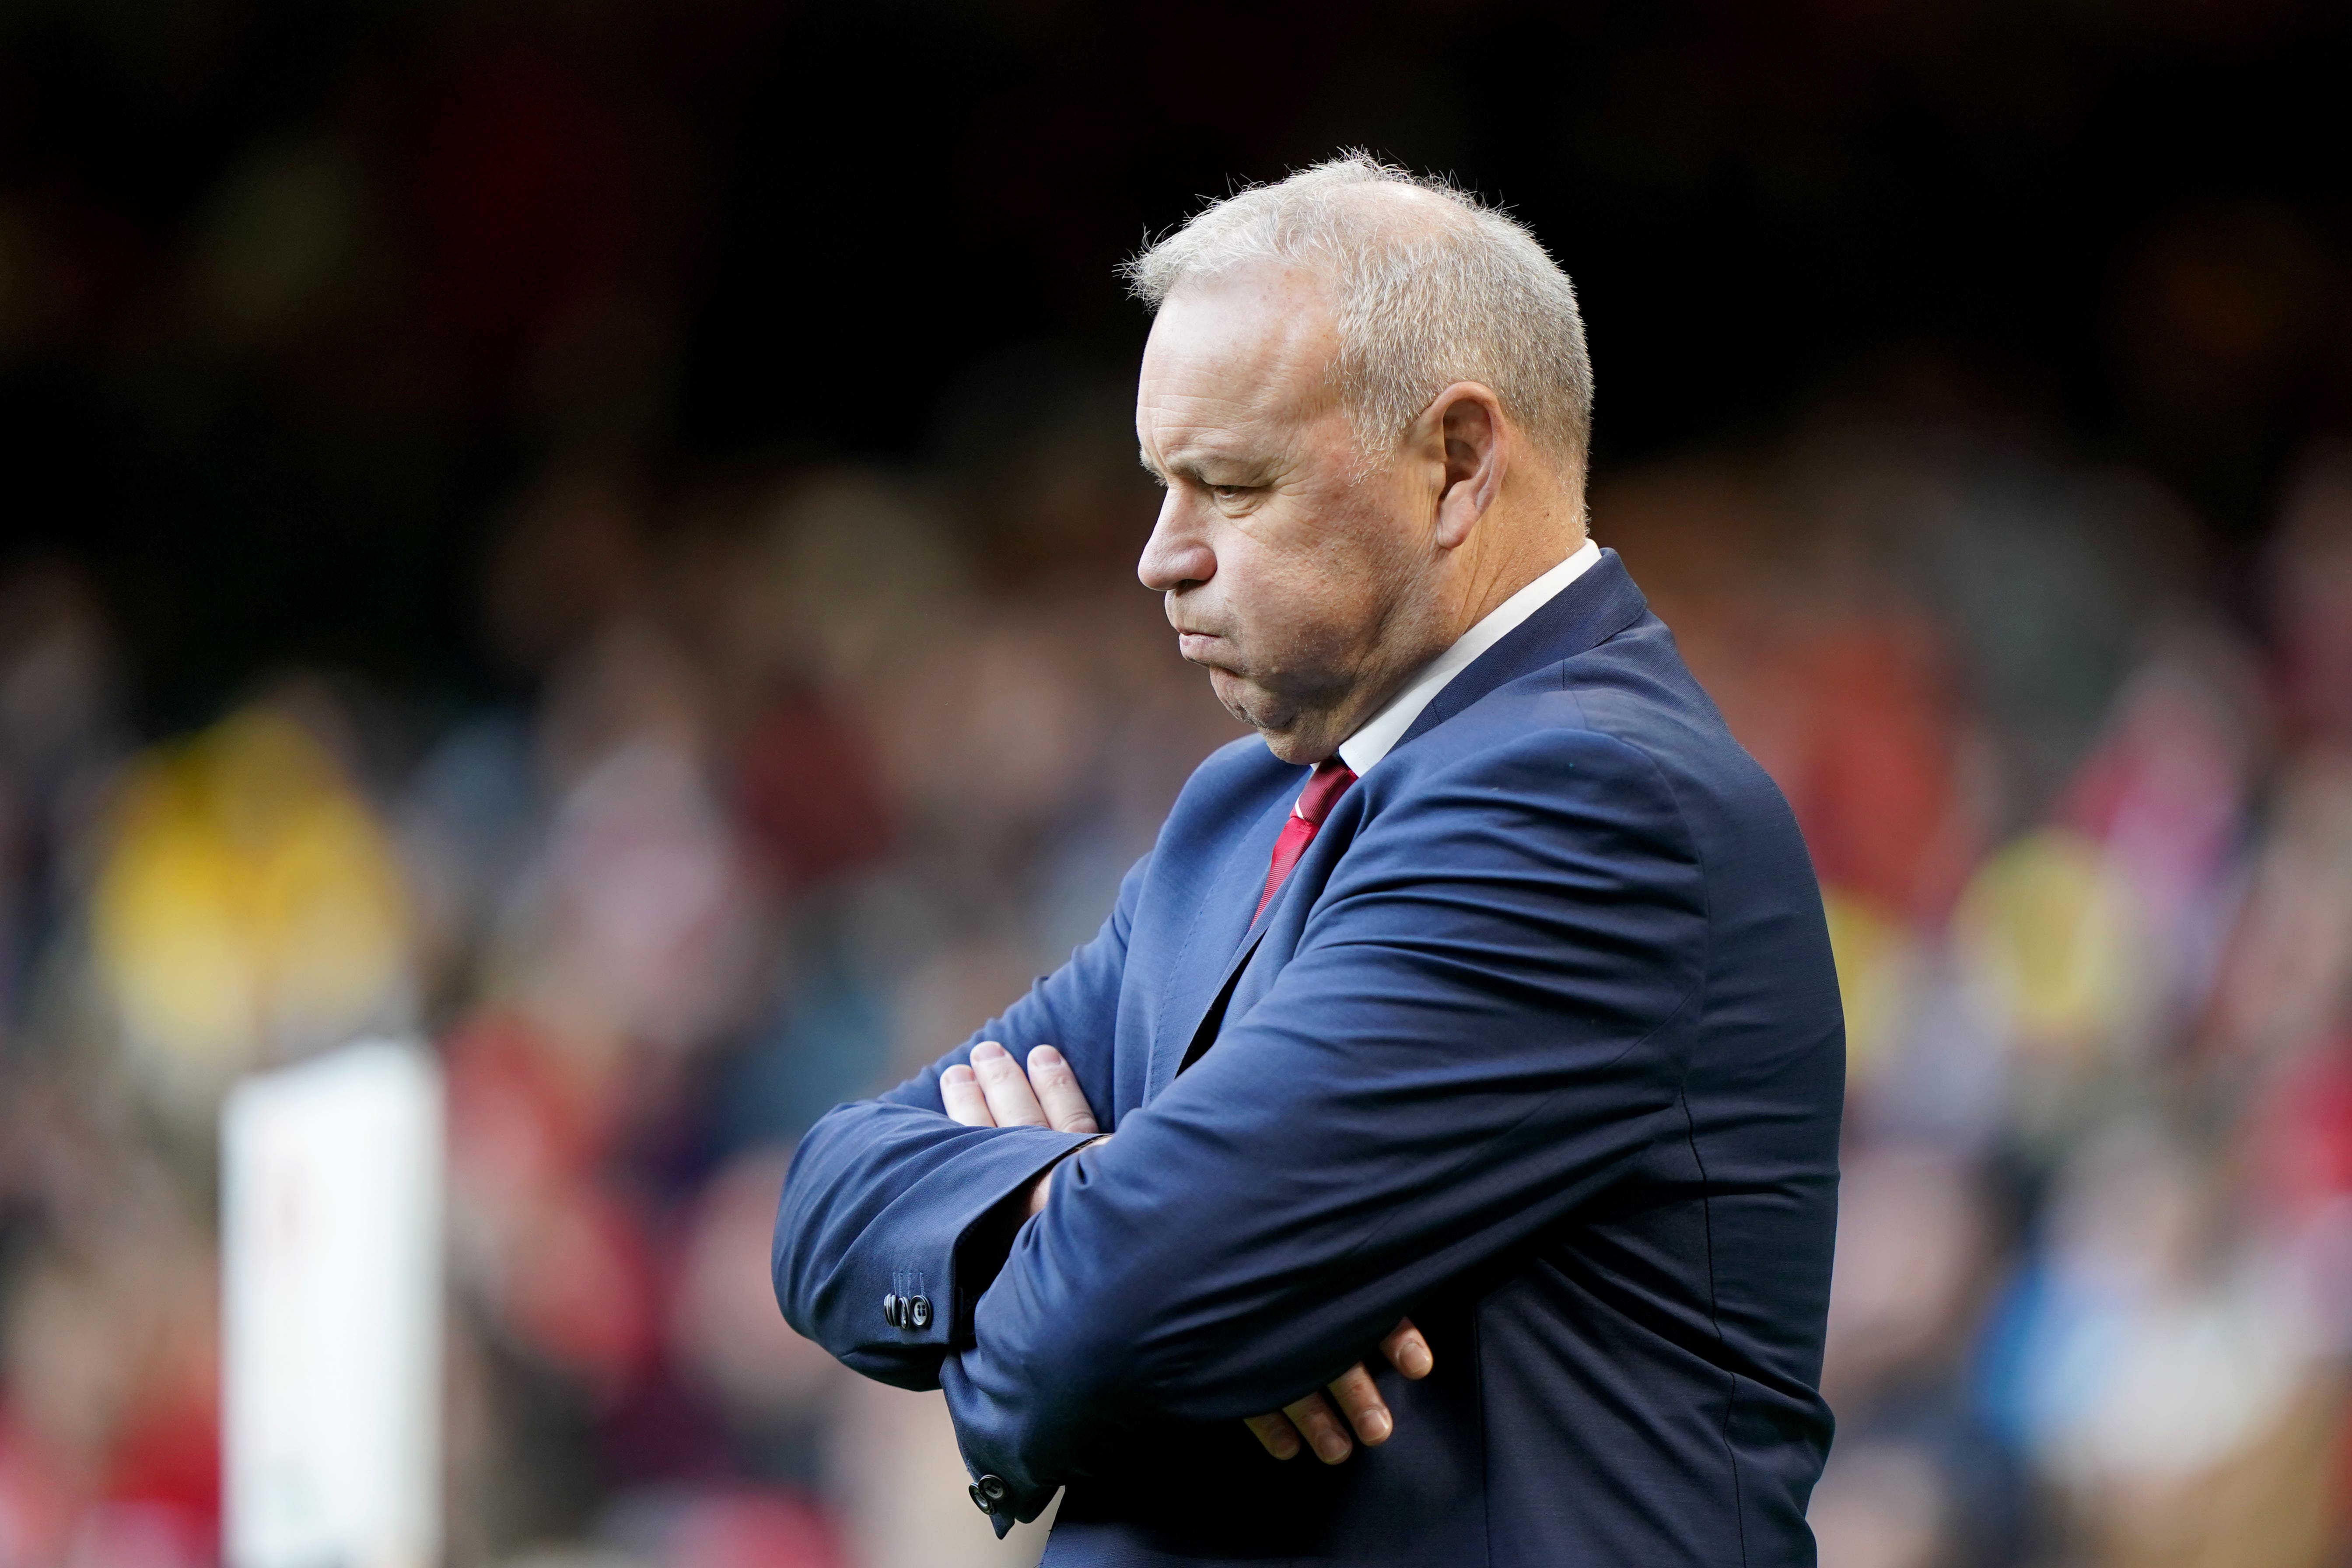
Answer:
[(994, 1092)]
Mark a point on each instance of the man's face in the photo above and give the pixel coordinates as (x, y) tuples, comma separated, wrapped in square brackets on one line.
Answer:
[(1295, 580)]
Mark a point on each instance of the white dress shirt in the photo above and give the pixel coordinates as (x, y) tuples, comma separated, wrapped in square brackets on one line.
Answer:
[(1384, 729)]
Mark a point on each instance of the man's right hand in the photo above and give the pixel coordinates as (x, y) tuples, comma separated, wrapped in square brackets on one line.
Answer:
[(994, 1092), (1311, 1423)]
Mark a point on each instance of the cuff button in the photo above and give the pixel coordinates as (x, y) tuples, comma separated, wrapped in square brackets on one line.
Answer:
[(918, 1311), (891, 1309), (989, 1492)]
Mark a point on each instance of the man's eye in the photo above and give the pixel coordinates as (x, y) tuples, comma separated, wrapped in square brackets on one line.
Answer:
[(1227, 492)]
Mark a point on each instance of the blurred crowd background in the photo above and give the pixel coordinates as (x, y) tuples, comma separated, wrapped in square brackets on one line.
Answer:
[(599, 534)]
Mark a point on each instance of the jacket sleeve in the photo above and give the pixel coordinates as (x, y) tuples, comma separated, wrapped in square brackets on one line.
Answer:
[(1476, 1031), (887, 1196)]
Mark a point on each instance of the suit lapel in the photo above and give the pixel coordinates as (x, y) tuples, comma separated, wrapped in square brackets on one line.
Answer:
[(1278, 926), (1221, 925)]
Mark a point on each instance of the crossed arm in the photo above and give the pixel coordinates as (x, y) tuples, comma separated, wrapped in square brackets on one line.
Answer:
[(992, 1091), (1477, 1031)]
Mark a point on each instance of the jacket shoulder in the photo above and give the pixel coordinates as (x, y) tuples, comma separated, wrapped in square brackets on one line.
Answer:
[(1631, 689)]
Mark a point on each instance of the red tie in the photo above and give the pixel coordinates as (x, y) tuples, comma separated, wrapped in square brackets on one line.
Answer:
[(1328, 783)]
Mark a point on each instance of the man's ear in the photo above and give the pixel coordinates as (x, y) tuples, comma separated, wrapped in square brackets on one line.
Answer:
[(1468, 419)]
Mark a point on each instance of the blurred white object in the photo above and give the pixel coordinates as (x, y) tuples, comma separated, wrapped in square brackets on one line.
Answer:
[(331, 1221)]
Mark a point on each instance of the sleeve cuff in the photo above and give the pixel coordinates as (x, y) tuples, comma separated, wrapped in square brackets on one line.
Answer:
[(923, 1286)]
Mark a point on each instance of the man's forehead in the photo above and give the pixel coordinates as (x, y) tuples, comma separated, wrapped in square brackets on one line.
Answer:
[(1180, 429), (1227, 355), (1189, 448), (1209, 350)]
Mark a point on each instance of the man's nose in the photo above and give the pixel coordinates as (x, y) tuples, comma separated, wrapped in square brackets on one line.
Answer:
[(1176, 555)]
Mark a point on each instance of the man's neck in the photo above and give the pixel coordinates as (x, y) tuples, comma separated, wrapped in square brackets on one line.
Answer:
[(1486, 588), (1483, 578), (1370, 740)]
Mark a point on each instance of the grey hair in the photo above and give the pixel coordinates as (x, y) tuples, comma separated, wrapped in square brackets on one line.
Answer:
[(1426, 292)]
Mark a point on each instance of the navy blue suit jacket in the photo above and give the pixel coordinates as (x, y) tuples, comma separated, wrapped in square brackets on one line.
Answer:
[(1540, 1044)]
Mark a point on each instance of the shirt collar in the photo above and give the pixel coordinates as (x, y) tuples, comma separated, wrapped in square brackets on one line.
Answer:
[(1381, 731)]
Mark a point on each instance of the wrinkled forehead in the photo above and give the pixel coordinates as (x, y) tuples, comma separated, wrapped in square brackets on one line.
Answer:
[(1251, 344)]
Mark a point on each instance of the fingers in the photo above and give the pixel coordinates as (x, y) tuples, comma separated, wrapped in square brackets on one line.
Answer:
[(1360, 1402), (1313, 1423), (1317, 1422), (1058, 1091), (994, 1092), (1279, 1436), (1407, 1351), (1010, 1099), (959, 1089)]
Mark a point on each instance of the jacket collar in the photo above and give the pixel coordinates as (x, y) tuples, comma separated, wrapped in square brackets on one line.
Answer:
[(1579, 618)]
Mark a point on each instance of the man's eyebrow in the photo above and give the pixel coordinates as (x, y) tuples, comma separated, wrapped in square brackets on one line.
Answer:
[(1182, 467), (1193, 466)]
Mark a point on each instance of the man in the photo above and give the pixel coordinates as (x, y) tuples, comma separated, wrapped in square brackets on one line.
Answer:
[(1476, 1020)]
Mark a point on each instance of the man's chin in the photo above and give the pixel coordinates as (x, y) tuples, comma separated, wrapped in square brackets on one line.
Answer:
[(1288, 733), (1291, 748), (1237, 696)]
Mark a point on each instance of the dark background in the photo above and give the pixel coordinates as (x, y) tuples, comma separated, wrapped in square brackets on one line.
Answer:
[(291, 296)]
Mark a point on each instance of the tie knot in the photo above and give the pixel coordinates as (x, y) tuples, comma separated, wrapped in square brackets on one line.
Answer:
[(1328, 783)]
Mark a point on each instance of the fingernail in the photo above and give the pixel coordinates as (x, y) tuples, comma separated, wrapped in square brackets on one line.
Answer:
[(987, 1050), (950, 1076), (1375, 1427), (1053, 1058), (1285, 1445), (1413, 1360), (1331, 1448)]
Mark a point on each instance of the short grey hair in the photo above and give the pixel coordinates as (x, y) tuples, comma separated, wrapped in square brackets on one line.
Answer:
[(1424, 293)]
